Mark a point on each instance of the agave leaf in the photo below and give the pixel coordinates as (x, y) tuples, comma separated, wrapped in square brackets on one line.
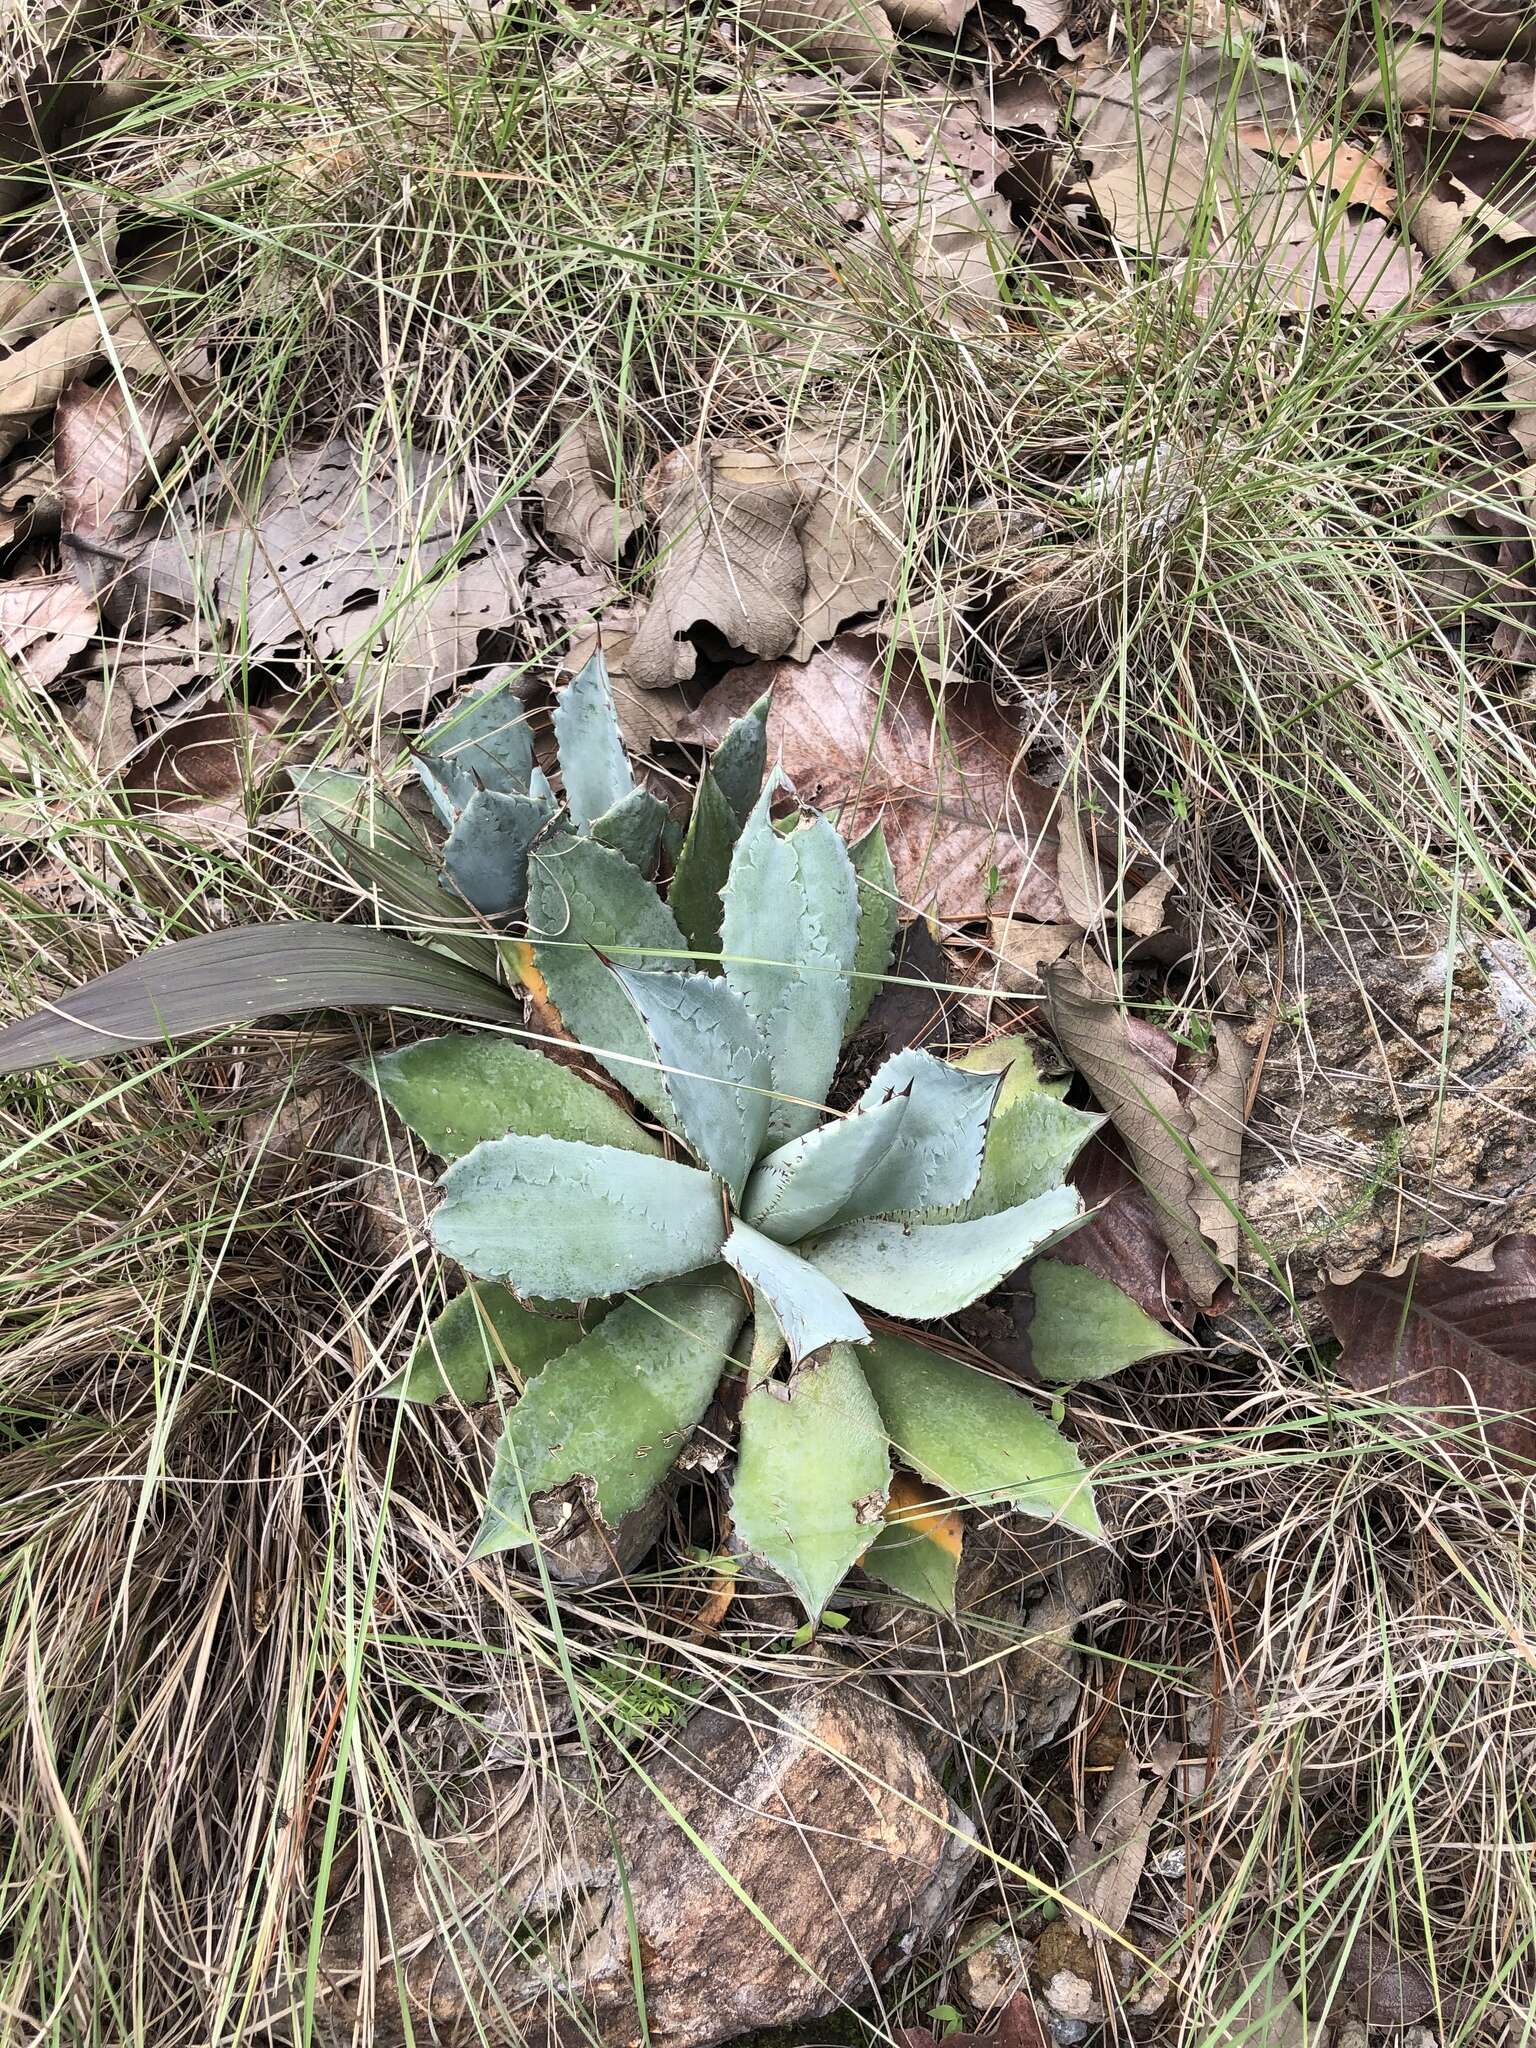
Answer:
[(809, 1310), (811, 1476), (454, 1092), (484, 744), (924, 1270), (768, 1341), (1084, 1328), (789, 933), (917, 1552), (483, 1328), (239, 977), (878, 915), (565, 1220), (633, 827), (1033, 1136), (936, 1157), (975, 1438), (593, 762), (702, 867), (487, 850), (581, 897), (739, 762), (809, 1182), (712, 1064), (615, 1409), (335, 800)]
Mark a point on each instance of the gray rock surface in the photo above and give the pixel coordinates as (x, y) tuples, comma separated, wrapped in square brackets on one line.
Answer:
[(843, 1851)]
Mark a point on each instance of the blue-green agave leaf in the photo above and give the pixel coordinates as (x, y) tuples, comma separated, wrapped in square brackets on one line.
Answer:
[(712, 1063), (633, 827), (455, 1092), (812, 1474), (915, 1554), (741, 759), (810, 1311), (878, 916), (1083, 1328), (563, 1220), (789, 934), (593, 763), (487, 850), (925, 1270), (702, 868), (1033, 1136), (936, 1157), (584, 899), (809, 1182), (483, 1331), (615, 1409), (976, 1438), (484, 744)]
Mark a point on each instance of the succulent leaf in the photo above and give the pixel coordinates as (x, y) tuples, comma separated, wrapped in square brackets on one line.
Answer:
[(812, 1475), (583, 896), (740, 761), (484, 744), (936, 1157), (879, 912), (789, 934), (702, 867), (454, 1092), (917, 1552), (974, 1437), (633, 827), (1084, 1328), (615, 1409), (712, 1063), (483, 1329), (809, 1310), (567, 1220), (808, 1183), (1033, 1136), (768, 1342), (487, 850), (593, 763), (926, 1270)]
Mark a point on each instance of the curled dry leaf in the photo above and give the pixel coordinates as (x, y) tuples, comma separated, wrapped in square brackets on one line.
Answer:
[(1105, 1861), (33, 377), (1425, 75), (853, 35), (728, 522), (1450, 1338), (1131, 1074), (927, 17), (45, 621), (581, 510), (110, 442), (850, 535), (29, 499), (857, 735)]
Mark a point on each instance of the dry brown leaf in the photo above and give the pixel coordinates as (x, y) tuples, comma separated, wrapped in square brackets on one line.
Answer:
[(1450, 1337), (966, 827), (854, 35), (1520, 396), (1425, 75), (1218, 1106), (1022, 952), (29, 499), (1334, 166), (728, 525), (33, 377), (395, 574), (109, 443), (102, 727), (1025, 102), (149, 669), (45, 621), (1105, 1861), (1134, 1086), (1049, 20), (1121, 1240), (849, 535), (927, 17), (577, 489), (198, 772)]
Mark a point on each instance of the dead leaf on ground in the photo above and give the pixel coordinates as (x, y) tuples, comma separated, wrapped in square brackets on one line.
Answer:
[(1332, 165), (396, 574), (110, 442), (45, 621), (1049, 20), (198, 771), (1450, 1337), (1218, 1112), (854, 35), (850, 535), (1018, 2026), (29, 499), (1424, 75), (927, 17), (581, 509), (1132, 1078), (1021, 952), (33, 376), (1121, 1241), (1105, 1861), (966, 827), (1259, 2004)]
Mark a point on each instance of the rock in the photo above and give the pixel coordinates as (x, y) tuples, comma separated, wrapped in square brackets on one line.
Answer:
[(1351, 2034), (1073, 1997), (1066, 2033), (1420, 2037), (822, 1808), (1365, 1145), (995, 1964)]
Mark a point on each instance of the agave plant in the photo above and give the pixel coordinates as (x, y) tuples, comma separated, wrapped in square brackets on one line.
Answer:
[(738, 1250)]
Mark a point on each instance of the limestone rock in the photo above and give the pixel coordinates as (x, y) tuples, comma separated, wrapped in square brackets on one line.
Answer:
[(994, 1965), (821, 1807), (1395, 1106)]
